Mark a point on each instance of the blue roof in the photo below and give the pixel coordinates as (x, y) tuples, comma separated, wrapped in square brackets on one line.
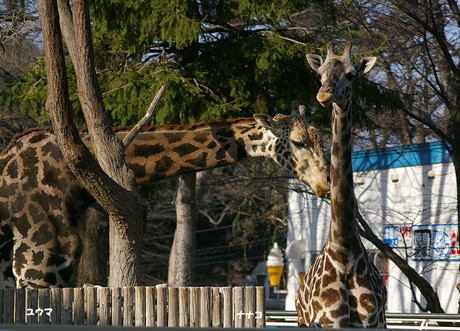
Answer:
[(401, 156)]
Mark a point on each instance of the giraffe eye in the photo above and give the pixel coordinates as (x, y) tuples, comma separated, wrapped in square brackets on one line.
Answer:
[(298, 143), (350, 76)]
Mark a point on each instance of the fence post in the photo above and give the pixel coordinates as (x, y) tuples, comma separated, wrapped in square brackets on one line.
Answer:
[(194, 306), (216, 308), (139, 305), (150, 306), (91, 305), (103, 294), (117, 304), (205, 305), (79, 306), (44, 303), (20, 316), (260, 306), (227, 307), (249, 306), (8, 297), (32, 305), (67, 300), (56, 304), (184, 307), (173, 307), (238, 313), (161, 305), (1, 306), (128, 300)]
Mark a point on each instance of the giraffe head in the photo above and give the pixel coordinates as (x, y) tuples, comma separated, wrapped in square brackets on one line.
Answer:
[(337, 73), (297, 148)]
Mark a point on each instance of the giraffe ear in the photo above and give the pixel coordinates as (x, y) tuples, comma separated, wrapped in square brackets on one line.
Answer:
[(315, 61), (299, 110), (365, 65), (268, 123)]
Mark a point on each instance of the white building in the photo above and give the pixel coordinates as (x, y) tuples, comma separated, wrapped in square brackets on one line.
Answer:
[(408, 196)]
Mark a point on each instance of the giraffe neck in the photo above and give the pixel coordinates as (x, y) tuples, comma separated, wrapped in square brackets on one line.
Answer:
[(167, 151), (343, 213)]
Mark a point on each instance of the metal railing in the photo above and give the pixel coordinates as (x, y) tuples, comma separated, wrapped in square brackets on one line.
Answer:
[(401, 321)]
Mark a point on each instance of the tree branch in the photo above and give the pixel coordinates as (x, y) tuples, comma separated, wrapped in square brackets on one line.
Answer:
[(145, 120), (425, 288)]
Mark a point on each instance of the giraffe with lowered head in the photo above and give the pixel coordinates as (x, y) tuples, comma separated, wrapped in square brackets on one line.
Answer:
[(343, 288), (41, 200)]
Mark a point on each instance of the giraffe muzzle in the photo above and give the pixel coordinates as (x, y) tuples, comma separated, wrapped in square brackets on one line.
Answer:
[(325, 98), (322, 192)]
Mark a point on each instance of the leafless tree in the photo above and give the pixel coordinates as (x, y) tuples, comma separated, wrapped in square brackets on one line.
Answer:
[(108, 179)]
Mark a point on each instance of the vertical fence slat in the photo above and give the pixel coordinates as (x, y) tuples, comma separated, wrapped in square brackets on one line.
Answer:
[(194, 306), (173, 307), (150, 306), (227, 307), (139, 306), (250, 306), (205, 305), (128, 306), (91, 305), (103, 293), (117, 304), (32, 305), (56, 305), (216, 308), (238, 308), (8, 304), (260, 306), (67, 301), (44, 305), (1, 306), (161, 305), (184, 307), (79, 306), (20, 309)]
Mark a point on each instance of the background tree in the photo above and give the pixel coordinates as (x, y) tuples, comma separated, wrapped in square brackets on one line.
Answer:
[(242, 213), (19, 31)]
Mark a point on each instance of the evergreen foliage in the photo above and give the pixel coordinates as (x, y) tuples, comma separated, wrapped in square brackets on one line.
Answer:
[(219, 59)]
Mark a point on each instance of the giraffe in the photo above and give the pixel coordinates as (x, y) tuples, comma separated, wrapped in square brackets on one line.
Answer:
[(41, 200), (343, 288)]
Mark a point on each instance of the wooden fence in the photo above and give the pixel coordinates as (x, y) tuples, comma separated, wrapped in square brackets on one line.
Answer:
[(136, 306)]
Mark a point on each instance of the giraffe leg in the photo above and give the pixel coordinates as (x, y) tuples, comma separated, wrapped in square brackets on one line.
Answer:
[(48, 255), (314, 325), (39, 268), (6, 274), (6, 247)]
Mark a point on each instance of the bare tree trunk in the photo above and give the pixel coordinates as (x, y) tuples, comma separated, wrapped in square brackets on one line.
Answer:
[(172, 263), (93, 228), (109, 180), (181, 272), (185, 236)]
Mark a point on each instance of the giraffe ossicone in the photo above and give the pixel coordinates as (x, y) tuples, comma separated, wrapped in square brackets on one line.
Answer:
[(41, 200), (343, 288)]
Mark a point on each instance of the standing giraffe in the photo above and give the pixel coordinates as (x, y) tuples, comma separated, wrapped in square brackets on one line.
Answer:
[(343, 288), (41, 199)]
